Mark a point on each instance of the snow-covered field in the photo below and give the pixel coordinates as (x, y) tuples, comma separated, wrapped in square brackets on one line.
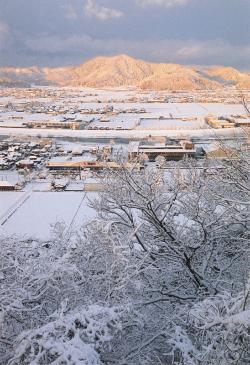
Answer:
[(178, 110), (37, 215), (171, 124), (7, 200)]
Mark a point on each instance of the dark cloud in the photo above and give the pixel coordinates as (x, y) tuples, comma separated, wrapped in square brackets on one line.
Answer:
[(60, 32)]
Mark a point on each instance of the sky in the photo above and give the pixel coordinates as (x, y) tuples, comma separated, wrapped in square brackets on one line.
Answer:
[(69, 32)]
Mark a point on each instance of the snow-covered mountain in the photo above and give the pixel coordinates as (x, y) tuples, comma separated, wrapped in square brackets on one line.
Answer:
[(123, 70)]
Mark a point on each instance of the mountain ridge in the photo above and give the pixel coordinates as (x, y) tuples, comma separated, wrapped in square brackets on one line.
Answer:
[(123, 70)]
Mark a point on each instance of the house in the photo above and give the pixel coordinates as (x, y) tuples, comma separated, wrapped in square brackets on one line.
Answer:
[(6, 186), (242, 122), (78, 151), (218, 123), (91, 184), (28, 164), (59, 184)]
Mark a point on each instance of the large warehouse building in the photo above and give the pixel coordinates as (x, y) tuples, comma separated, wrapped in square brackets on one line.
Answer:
[(173, 150)]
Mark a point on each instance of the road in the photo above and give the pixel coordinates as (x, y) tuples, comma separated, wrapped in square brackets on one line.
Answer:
[(213, 134)]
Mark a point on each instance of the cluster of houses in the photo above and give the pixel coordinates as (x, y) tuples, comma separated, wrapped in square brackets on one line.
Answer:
[(32, 102), (34, 114), (138, 152), (101, 152), (24, 153), (80, 158), (225, 96), (78, 124)]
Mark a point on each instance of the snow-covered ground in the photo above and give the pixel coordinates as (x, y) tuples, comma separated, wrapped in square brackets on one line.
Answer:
[(126, 120), (7, 200), (41, 210), (171, 124)]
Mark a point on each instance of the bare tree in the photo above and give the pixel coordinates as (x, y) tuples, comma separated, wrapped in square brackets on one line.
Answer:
[(179, 234), (244, 103)]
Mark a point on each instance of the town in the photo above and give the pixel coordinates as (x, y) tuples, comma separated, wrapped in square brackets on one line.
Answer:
[(61, 141)]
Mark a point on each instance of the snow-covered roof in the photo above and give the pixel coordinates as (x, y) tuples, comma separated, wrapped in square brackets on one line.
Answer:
[(5, 184), (26, 162)]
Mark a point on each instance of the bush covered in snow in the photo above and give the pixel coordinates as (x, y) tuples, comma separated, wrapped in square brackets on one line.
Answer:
[(73, 338)]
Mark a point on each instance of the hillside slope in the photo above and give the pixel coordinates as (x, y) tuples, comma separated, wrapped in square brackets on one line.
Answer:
[(231, 76)]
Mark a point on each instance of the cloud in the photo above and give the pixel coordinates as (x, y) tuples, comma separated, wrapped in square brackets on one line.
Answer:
[(4, 34), (94, 10), (4, 29), (189, 51), (71, 13), (166, 3)]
